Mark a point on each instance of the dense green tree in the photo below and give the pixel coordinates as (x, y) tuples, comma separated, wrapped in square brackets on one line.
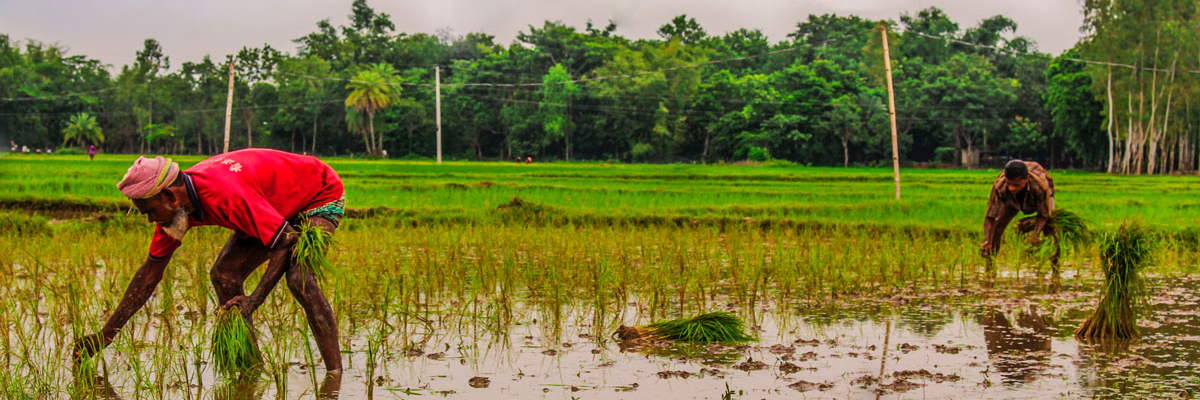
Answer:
[(967, 98), (816, 97), (1076, 112), (557, 92)]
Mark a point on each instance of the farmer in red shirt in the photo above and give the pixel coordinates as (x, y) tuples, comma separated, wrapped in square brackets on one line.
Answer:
[(261, 195)]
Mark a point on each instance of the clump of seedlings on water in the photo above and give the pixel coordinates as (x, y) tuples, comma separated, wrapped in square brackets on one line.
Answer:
[(233, 349), (1123, 254), (713, 327)]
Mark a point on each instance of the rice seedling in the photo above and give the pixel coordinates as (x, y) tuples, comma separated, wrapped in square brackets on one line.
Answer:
[(713, 327), (1124, 253), (310, 251), (234, 350)]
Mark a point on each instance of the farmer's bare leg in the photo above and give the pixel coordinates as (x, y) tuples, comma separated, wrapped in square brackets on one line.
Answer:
[(241, 255), (1006, 216), (303, 285)]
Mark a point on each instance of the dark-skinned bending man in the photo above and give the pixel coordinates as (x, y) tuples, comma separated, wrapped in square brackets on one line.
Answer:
[(1023, 187), (262, 195)]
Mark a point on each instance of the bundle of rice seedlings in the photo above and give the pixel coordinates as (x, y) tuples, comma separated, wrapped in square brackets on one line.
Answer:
[(233, 349), (1065, 227), (1123, 254), (713, 327), (311, 248)]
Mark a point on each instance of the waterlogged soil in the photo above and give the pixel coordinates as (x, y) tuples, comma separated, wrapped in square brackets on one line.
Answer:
[(1006, 343)]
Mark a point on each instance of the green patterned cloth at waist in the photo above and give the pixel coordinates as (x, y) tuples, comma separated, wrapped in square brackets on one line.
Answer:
[(332, 211)]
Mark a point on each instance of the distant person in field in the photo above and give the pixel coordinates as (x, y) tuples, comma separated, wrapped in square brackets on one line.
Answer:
[(1023, 187), (92, 152), (262, 195)]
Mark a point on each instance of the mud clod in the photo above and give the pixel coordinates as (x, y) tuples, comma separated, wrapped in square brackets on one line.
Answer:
[(751, 365), (805, 386), (673, 374), (479, 382)]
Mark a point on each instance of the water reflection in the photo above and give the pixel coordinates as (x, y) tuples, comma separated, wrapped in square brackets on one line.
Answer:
[(98, 387), (955, 344), (1019, 351)]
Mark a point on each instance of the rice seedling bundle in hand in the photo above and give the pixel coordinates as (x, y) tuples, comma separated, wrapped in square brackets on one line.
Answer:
[(1123, 253), (233, 349), (1064, 227), (311, 248), (713, 327)]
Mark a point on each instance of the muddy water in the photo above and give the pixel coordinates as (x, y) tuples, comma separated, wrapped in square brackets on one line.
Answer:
[(1002, 344)]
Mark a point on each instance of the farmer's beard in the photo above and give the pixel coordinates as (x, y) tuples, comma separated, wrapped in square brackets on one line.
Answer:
[(178, 226)]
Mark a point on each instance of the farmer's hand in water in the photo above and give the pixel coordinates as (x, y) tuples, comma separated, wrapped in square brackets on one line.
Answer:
[(1035, 239), (91, 344), (985, 250)]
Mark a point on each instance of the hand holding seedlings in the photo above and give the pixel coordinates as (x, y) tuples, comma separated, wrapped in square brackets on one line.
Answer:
[(241, 303), (90, 345)]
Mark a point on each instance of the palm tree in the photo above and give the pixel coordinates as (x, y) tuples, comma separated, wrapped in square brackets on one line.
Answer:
[(83, 128), (372, 89)]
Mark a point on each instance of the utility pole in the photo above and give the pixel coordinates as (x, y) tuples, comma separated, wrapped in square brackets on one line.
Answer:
[(437, 85), (228, 107), (887, 64)]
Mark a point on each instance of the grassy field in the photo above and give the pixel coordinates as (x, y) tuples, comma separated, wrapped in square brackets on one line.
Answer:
[(470, 192), (586, 241)]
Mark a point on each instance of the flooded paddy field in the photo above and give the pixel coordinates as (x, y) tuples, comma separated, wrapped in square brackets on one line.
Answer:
[(501, 311), (968, 343), (497, 281)]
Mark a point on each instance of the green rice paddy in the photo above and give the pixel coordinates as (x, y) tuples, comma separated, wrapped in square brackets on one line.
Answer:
[(431, 250)]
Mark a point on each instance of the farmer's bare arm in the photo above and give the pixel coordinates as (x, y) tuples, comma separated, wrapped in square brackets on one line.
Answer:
[(279, 260), (140, 288), (988, 225), (1037, 228)]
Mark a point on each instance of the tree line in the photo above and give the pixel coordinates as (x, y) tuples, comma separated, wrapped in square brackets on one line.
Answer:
[(1119, 100)]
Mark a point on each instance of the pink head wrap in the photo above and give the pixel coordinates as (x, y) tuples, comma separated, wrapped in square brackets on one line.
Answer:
[(148, 176)]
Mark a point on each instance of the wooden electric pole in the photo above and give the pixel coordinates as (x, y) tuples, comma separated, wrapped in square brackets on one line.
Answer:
[(228, 107), (887, 65), (437, 83)]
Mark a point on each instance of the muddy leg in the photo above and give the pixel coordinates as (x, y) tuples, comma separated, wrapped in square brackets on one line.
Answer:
[(240, 256), (1006, 216), (303, 285)]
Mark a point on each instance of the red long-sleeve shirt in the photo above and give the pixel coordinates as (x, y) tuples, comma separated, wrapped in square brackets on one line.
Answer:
[(253, 191)]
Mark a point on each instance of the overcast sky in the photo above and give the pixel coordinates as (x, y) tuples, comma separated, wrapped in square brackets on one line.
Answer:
[(113, 31)]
